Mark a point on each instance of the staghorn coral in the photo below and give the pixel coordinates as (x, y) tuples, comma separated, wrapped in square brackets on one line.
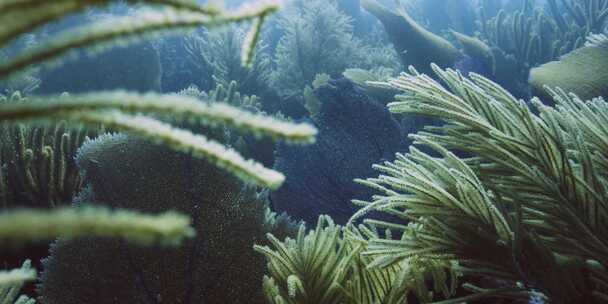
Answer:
[(526, 209), (583, 72), (218, 264)]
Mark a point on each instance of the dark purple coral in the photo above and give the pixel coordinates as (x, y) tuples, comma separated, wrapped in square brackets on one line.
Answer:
[(354, 133)]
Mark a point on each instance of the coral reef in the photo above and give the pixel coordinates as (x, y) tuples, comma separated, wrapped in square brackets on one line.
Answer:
[(525, 209), (37, 162), (317, 38), (326, 266), (118, 109), (217, 57), (578, 18), (122, 110), (12, 281), (415, 45), (354, 132), (218, 264), (529, 36), (583, 72), (261, 149)]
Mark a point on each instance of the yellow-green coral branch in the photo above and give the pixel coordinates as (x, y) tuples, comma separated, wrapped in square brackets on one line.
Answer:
[(17, 276), (27, 225), (27, 15), (166, 105), (186, 141), (144, 22)]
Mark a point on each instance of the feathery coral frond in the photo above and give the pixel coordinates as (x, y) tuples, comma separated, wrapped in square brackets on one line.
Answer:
[(17, 276), (532, 190), (11, 284), (27, 225), (144, 22), (176, 106), (92, 109)]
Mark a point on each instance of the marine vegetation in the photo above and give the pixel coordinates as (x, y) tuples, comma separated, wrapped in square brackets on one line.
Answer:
[(217, 56), (175, 14), (121, 111), (530, 36), (319, 39), (12, 281), (522, 216), (173, 193), (37, 162)]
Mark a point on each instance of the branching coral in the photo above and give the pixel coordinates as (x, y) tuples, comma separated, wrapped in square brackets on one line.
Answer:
[(581, 17), (528, 206), (317, 39), (326, 266), (38, 169), (217, 55), (12, 281), (531, 36), (25, 16)]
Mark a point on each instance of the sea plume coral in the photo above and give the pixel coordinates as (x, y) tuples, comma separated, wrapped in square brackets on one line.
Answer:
[(531, 192)]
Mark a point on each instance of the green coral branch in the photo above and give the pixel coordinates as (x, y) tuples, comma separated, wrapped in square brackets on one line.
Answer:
[(175, 106), (13, 280), (188, 142), (329, 265), (17, 276), (28, 225), (532, 191), (26, 16), (143, 23), (92, 109)]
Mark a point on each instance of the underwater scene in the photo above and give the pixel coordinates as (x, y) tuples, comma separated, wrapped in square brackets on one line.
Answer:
[(303, 151)]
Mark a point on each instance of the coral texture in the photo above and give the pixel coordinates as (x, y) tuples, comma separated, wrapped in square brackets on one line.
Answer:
[(354, 132)]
